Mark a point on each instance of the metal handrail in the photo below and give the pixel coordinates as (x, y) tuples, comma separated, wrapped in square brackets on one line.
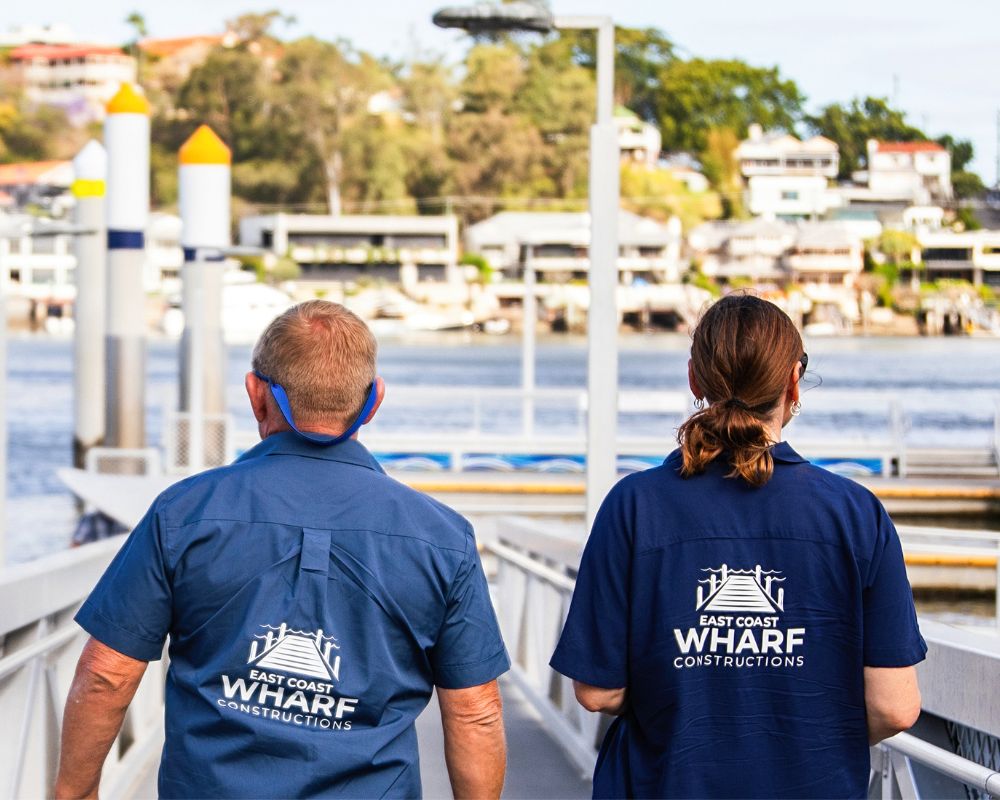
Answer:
[(976, 776)]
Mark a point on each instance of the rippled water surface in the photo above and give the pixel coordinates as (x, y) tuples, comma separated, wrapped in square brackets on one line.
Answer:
[(947, 388)]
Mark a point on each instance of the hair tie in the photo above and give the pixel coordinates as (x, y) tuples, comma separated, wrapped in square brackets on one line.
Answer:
[(734, 402)]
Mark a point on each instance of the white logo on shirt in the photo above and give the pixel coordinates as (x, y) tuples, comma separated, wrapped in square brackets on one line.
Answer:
[(289, 678), (739, 622), (300, 652), (728, 589)]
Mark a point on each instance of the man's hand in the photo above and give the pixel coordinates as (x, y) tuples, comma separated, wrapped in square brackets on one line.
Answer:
[(104, 685), (892, 701), (474, 746)]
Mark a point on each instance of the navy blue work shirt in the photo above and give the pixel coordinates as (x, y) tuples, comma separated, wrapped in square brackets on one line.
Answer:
[(740, 621), (312, 603)]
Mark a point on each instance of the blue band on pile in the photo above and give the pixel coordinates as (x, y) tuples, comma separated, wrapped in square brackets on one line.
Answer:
[(281, 398)]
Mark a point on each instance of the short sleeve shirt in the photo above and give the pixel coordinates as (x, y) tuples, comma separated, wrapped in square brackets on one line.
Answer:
[(311, 604), (740, 620)]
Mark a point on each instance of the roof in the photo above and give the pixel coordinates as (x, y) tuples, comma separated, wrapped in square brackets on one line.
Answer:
[(31, 172), (162, 48), (824, 236), (908, 147), (538, 227), (53, 52)]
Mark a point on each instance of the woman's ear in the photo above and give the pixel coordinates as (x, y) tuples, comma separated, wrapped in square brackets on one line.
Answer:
[(693, 382)]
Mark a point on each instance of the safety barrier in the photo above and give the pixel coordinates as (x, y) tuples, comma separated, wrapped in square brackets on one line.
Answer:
[(39, 648)]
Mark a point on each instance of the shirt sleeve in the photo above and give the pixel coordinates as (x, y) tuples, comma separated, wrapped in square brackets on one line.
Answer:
[(891, 634), (593, 647), (130, 608), (469, 650)]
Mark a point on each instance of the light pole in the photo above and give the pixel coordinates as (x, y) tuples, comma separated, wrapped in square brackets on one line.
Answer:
[(602, 277)]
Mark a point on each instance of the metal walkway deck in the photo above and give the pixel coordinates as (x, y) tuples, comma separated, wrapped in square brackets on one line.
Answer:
[(536, 765)]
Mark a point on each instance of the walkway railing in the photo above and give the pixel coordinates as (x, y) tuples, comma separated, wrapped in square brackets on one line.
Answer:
[(536, 564), (39, 648)]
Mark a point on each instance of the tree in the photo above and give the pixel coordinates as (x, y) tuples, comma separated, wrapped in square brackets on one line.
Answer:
[(324, 92), (254, 28), (722, 169), (138, 23), (852, 126), (558, 98), (965, 183), (697, 96), (656, 193), (494, 73), (31, 133)]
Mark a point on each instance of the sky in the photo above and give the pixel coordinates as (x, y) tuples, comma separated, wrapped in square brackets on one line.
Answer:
[(935, 61)]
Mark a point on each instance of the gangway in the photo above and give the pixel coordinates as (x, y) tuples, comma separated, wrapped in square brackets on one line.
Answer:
[(552, 740)]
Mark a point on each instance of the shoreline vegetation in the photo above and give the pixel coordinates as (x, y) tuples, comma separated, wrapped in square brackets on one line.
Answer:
[(323, 127)]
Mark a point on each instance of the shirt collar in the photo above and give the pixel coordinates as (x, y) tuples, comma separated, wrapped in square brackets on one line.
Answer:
[(782, 452), (288, 443)]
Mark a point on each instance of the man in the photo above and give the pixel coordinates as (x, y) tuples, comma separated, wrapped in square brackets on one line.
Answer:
[(311, 602)]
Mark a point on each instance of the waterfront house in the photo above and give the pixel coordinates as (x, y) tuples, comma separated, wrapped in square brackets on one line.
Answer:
[(417, 253), (736, 250), (787, 178), (917, 171), (638, 141), (79, 78), (557, 244), (973, 256)]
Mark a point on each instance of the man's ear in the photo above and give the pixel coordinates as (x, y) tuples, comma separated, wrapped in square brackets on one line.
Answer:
[(379, 397), (257, 392)]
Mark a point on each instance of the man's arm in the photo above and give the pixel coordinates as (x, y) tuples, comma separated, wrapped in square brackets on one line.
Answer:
[(103, 686), (594, 698), (474, 746), (892, 701)]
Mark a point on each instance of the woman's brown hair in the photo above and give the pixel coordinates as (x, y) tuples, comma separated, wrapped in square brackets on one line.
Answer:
[(742, 353)]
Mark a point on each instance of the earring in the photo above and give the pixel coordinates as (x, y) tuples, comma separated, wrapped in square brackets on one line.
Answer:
[(796, 408), (699, 403)]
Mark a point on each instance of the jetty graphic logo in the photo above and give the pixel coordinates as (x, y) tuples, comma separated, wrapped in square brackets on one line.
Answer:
[(739, 622), (728, 589), (299, 652), (290, 677)]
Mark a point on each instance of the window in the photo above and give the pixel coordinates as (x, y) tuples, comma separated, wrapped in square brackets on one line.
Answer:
[(788, 195)]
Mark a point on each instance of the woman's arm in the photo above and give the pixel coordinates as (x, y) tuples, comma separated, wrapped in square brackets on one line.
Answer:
[(594, 698), (892, 701)]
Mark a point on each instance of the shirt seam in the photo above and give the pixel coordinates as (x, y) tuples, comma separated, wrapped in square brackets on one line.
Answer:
[(472, 663), (87, 607), (297, 525), (702, 538)]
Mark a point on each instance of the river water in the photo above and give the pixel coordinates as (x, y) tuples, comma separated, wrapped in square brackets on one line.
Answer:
[(947, 388)]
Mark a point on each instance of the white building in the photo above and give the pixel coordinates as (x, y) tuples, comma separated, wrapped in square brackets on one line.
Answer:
[(557, 244), (410, 251), (737, 250), (79, 78), (824, 253), (918, 172), (37, 258), (971, 255), (638, 141), (787, 178)]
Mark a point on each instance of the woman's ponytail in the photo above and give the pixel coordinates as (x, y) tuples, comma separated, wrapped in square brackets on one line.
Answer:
[(741, 354)]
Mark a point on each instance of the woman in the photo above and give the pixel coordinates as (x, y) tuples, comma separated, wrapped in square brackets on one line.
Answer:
[(746, 614)]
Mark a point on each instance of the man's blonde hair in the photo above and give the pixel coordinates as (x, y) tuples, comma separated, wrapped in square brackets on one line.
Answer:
[(324, 357)]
